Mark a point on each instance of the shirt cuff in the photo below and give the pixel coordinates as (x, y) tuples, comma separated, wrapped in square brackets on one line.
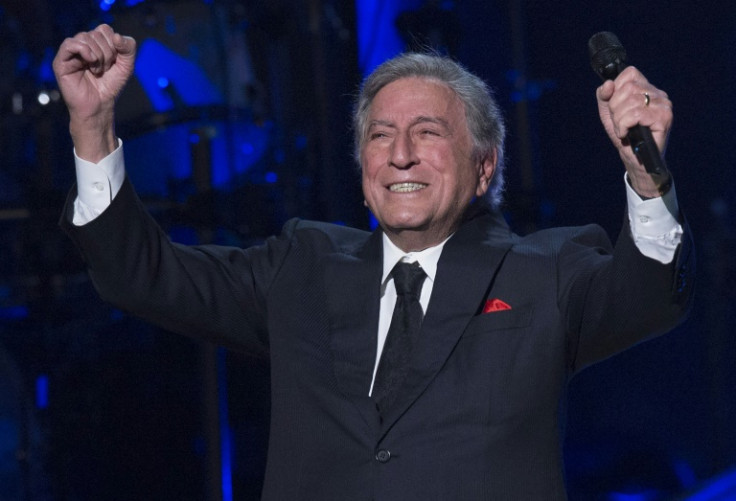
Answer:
[(97, 184), (654, 226)]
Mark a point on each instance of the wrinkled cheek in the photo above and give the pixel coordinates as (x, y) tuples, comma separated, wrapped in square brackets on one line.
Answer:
[(371, 188), (368, 191)]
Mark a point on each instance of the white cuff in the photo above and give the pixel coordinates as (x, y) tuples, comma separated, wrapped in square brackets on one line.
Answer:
[(654, 225), (97, 184)]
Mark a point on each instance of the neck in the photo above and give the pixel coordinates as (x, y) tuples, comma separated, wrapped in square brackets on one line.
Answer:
[(415, 240)]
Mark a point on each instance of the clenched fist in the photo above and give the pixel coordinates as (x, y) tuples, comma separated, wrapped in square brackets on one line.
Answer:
[(92, 69)]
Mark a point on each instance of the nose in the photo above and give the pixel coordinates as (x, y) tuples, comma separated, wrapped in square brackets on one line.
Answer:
[(403, 152)]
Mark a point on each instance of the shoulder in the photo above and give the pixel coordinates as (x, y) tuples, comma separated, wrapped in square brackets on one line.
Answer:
[(557, 240), (331, 236), (549, 241)]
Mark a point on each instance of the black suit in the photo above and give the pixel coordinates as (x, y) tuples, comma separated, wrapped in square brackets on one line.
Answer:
[(479, 416)]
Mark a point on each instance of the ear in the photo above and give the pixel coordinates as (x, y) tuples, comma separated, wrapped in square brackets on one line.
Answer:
[(486, 168)]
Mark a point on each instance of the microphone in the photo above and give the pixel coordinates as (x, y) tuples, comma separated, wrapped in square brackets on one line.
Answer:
[(608, 59)]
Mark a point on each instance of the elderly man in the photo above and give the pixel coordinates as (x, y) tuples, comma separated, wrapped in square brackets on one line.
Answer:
[(425, 360)]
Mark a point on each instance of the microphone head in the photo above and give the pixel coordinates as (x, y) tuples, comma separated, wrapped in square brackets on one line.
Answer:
[(607, 55)]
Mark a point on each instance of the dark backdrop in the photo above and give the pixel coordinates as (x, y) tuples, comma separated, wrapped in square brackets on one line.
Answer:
[(97, 405)]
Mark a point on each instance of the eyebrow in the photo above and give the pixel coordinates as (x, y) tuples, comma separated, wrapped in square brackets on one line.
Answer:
[(418, 120)]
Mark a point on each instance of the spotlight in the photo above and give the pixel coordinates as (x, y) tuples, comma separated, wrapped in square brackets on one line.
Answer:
[(44, 98)]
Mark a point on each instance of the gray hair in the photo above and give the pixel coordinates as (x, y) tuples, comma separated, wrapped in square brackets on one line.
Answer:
[(484, 118)]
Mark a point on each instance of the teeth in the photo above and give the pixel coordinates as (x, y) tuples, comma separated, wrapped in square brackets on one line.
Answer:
[(406, 187)]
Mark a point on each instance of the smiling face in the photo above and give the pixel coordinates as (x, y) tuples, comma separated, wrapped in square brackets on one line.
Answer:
[(419, 170)]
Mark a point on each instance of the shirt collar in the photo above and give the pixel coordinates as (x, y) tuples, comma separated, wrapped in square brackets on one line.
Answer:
[(426, 258)]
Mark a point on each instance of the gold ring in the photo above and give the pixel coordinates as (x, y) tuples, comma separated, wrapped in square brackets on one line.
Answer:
[(646, 99)]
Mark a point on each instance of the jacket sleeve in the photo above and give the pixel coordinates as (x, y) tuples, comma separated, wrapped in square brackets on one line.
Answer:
[(208, 292), (615, 301)]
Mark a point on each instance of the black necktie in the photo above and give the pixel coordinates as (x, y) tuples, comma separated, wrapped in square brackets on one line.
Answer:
[(402, 333)]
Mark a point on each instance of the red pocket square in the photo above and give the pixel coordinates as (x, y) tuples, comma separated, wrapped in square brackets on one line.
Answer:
[(495, 305)]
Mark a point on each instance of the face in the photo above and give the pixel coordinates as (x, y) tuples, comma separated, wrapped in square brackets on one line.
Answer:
[(419, 171)]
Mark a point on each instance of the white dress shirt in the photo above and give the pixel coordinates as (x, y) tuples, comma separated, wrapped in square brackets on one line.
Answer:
[(427, 259)]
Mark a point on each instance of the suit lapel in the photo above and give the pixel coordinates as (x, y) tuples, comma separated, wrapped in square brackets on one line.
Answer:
[(353, 283), (465, 273)]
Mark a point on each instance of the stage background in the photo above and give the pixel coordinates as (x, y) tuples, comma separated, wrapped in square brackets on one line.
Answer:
[(237, 119)]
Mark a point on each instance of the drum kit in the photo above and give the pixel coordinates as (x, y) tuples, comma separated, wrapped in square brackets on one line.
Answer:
[(194, 83)]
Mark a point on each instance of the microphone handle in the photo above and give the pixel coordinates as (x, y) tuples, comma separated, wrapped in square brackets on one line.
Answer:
[(645, 148), (642, 142)]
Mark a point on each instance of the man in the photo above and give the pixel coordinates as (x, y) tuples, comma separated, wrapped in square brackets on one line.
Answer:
[(472, 407)]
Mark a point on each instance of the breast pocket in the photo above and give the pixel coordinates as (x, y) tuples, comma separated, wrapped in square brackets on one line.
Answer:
[(501, 367), (515, 318)]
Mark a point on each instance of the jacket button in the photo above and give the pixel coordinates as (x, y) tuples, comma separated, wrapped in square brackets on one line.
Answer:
[(383, 456)]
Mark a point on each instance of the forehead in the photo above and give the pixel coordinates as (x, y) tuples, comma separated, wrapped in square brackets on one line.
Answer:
[(415, 96)]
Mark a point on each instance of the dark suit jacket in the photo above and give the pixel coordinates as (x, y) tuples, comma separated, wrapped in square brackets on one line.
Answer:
[(480, 414)]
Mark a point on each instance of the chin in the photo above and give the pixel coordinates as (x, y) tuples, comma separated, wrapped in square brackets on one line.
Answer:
[(407, 225)]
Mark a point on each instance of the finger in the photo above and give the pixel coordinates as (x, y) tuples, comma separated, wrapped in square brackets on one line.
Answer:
[(625, 87), (124, 45), (104, 34), (74, 54), (629, 82), (102, 44), (641, 104), (106, 30), (605, 91), (630, 73), (120, 44), (636, 101), (92, 55), (633, 91), (100, 41)]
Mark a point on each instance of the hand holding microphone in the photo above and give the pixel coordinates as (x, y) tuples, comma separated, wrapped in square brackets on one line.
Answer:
[(636, 115)]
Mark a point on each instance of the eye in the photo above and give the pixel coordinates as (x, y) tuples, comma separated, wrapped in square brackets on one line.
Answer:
[(377, 135), (428, 132)]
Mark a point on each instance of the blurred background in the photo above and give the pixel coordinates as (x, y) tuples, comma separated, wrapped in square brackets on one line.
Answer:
[(237, 119)]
